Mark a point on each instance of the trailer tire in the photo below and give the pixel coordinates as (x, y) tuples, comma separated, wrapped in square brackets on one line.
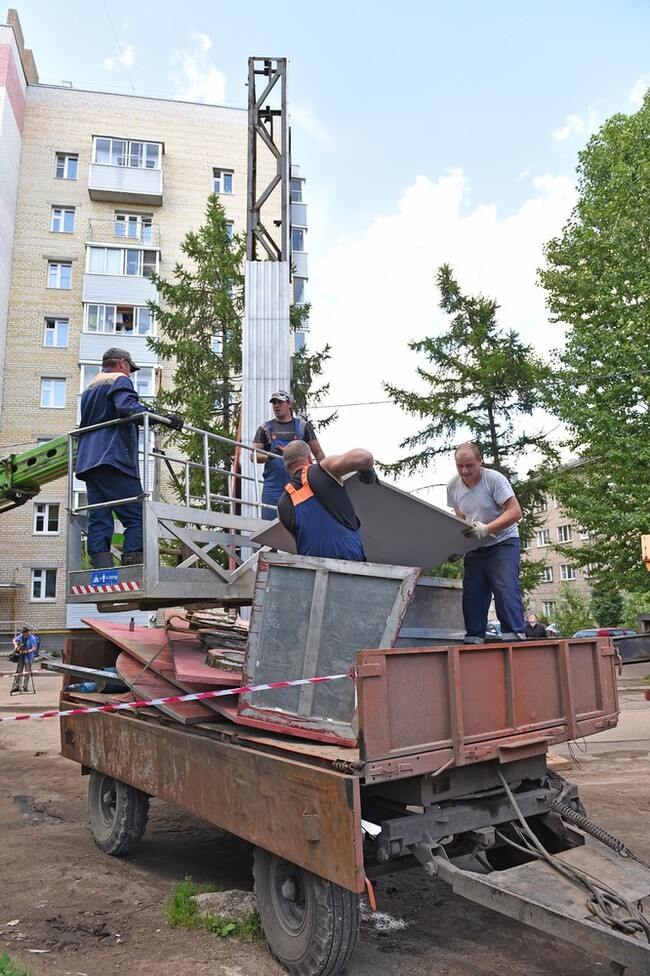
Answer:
[(118, 813), (311, 925)]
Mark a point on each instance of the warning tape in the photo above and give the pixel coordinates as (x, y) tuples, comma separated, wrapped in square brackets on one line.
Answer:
[(174, 699), (84, 590)]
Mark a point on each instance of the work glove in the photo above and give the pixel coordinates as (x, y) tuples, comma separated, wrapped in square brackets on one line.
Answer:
[(479, 530), (174, 421), (369, 477)]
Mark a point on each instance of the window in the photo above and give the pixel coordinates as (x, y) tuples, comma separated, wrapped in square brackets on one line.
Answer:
[(230, 229), (62, 220), (222, 180), (589, 570), (543, 538), (121, 261), (546, 575), (567, 572), (52, 392), (540, 506), (139, 227), (66, 166), (59, 274), (56, 333), (298, 239), (43, 584), (564, 533), (129, 319), (46, 518), (295, 190), (299, 291), (123, 152), (549, 608), (143, 380)]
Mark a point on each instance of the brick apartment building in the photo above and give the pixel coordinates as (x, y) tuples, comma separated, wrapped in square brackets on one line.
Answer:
[(97, 190)]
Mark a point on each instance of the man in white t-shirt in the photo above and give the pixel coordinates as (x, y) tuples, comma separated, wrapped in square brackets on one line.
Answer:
[(485, 498)]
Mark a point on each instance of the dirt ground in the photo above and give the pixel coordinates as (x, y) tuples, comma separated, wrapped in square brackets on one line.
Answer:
[(68, 909)]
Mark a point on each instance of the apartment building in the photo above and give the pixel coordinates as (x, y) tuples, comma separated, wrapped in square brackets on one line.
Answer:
[(559, 570), (97, 191)]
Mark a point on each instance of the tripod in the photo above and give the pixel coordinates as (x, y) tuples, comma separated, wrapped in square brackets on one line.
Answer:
[(23, 675)]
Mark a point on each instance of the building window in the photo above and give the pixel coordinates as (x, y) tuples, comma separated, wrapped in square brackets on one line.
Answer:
[(589, 570), (298, 291), (59, 274), (567, 572), (295, 190), (138, 227), (121, 261), (62, 220), (549, 608), (297, 239), (222, 180), (52, 392), (564, 533), (143, 380), (46, 518), (543, 538), (230, 229), (546, 575), (56, 333), (540, 506), (66, 166), (43, 584), (123, 152), (128, 319)]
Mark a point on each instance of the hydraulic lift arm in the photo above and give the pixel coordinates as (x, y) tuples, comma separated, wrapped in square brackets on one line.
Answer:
[(22, 475)]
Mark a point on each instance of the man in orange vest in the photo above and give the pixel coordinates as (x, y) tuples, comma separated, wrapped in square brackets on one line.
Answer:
[(316, 508)]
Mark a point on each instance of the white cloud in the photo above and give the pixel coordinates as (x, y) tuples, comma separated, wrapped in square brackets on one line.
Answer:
[(304, 117), (371, 295), (638, 91), (574, 125), (125, 57), (193, 74)]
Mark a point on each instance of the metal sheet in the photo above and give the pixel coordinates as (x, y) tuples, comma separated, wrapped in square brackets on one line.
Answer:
[(396, 528)]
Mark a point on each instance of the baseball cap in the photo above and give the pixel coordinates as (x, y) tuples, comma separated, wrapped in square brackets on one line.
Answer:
[(280, 395), (116, 353)]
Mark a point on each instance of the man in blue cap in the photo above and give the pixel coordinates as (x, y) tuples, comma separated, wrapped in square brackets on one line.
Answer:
[(107, 459), (270, 441)]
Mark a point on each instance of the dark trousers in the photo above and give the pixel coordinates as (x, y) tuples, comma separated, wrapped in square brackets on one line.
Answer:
[(104, 484), (493, 570)]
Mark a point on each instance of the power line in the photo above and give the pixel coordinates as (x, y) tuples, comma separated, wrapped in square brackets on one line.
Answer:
[(119, 45)]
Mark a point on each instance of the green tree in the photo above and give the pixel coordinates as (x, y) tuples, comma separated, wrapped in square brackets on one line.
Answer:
[(572, 612), (482, 385), (597, 278), (606, 605)]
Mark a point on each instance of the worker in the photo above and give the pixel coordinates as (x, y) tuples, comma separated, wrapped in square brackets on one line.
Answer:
[(25, 650), (316, 508), (485, 498), (533, 629), (273, 436), (107, 459)]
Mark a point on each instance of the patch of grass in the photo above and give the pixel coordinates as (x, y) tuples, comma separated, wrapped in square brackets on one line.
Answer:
[(182, 911), (7, 968)]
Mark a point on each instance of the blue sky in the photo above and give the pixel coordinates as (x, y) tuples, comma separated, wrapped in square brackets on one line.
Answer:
[(427, 132)]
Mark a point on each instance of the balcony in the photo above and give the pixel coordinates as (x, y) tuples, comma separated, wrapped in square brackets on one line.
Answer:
[(128, 184), (136, 232), (109, 289)]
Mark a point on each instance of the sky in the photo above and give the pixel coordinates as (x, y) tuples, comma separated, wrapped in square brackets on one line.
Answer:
[(427, 133)]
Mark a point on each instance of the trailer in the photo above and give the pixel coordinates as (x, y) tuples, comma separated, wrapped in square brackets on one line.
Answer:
[(411, 756)]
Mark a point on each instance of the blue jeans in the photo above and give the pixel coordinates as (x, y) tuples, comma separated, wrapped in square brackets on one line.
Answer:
[(103, 484), (493, 570)]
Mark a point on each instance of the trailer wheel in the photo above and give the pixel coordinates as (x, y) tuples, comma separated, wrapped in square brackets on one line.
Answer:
[(311, 925), (118, 813)]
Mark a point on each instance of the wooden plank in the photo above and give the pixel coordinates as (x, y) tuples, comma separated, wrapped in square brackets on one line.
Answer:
[(190, 666), (147, 685)]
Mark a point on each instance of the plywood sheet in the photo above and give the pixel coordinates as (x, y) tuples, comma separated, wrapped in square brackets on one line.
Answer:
[(147, 685), (396, 528), (190, 667)]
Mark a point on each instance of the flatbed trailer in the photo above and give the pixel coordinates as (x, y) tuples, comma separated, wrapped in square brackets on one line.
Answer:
[(448, 772)]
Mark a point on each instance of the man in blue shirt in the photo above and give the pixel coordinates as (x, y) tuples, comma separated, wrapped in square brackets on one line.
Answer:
[(26, 647), (107, 459)]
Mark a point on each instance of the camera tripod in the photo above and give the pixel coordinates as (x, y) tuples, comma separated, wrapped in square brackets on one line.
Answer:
[(23, 677)]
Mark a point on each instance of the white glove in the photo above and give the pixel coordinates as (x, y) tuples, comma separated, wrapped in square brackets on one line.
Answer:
[(479, 530)]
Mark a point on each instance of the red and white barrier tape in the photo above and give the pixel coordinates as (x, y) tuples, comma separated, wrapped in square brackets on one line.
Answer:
[(174, 699)]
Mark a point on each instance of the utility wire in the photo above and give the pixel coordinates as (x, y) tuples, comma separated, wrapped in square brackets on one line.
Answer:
[(119, 45)]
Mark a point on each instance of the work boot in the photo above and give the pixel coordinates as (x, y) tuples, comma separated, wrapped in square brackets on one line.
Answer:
[(15, 688), (132, 558), (101, 560), (25, 685)]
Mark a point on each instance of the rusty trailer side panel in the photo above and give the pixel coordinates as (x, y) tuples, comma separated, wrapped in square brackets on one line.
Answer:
[(306, 814), (424, 709)]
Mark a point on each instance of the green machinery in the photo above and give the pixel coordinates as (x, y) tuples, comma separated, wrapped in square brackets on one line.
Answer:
[(22, 475)]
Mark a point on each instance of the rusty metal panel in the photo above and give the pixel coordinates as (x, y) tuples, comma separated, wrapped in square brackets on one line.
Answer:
[(470, 703), (310, 616), (304, 813)]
